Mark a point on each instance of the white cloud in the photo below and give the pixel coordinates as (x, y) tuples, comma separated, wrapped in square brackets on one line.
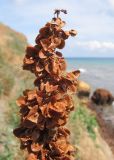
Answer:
[(111, 3), (95, 45), (19, 2)]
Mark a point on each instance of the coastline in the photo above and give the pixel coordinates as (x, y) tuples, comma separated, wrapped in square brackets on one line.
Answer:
[(98, 72)]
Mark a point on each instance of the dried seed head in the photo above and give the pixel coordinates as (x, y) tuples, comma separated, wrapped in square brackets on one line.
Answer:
[(45, 109)]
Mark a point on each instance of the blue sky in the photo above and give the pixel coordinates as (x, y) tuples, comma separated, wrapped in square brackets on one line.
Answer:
[(93, 19)]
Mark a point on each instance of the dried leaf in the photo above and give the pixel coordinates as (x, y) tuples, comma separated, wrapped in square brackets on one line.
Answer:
[(33, 114), (42, 54), (31, 94), (61, 45), (35, 147), (21, 101), (31, 51), (32, 157), (73, 32), (29, 60)]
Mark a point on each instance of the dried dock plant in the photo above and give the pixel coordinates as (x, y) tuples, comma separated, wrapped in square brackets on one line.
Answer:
[(45, 109)]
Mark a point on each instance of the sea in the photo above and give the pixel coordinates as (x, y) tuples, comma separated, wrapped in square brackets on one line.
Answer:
[(97, 72)]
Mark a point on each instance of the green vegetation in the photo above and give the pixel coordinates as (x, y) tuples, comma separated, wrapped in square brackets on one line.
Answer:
[(82, 122), (85, 117), (12, 41), (9, 142), (12, 82), (13, 120), (12, 46), (16, 43), (6, 80)]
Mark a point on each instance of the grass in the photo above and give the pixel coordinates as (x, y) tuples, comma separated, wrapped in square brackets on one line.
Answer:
[(12, 82), (13, 120), (12, 41), (6, 84), (81, 121), (9, 142), (16, 43), (84, 116), (6, 80), (11, 146)]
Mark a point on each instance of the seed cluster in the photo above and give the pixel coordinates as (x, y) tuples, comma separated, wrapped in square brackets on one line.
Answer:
[(45, 109)]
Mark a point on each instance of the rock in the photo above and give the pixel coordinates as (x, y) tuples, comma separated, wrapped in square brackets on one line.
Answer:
[(102, 97), (84, 89)]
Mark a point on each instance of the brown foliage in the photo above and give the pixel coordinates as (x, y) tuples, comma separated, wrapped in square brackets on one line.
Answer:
[(45, 109)]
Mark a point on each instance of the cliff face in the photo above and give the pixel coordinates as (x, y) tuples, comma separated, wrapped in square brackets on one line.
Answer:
[(11, 39), (12, 48), (12, 44)]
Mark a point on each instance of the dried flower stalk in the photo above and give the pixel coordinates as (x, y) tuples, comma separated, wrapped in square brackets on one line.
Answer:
[(45, 109)]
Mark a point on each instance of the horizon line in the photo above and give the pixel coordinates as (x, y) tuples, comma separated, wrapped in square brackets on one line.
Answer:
[(88, 57)]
